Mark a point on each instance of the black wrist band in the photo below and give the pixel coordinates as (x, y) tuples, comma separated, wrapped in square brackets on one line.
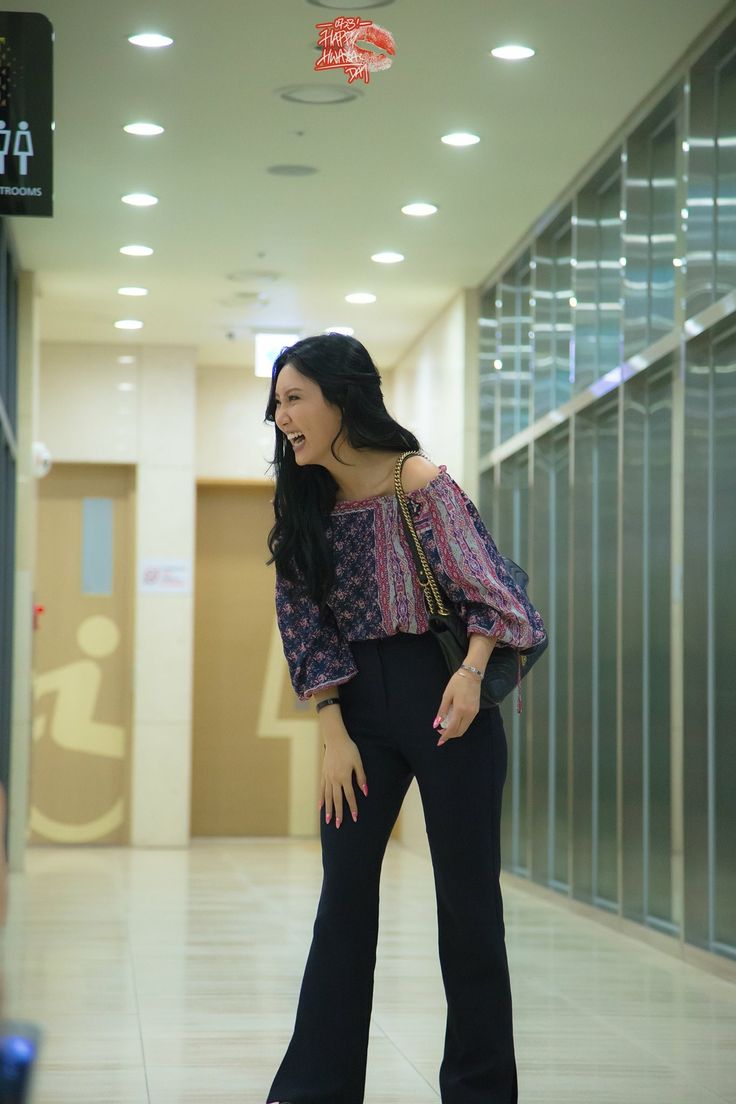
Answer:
[(327, 701)]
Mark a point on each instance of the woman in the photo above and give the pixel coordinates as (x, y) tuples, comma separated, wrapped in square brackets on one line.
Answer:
[(355, 633)]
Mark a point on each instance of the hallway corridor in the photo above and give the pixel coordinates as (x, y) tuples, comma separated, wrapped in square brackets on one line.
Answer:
[(165, 977)]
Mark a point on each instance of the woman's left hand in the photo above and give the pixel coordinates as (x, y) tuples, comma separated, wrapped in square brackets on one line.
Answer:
[(463, 695)]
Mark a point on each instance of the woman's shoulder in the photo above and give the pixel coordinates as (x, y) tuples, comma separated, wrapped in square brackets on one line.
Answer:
[(417, 472)]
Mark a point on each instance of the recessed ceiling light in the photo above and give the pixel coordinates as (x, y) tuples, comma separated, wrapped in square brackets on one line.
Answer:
[(145, 129), (126, 386), (360, 297), (128, 324), (127, 359), (150, 41), (319, 94), (460, 138), (292, 170), (136, 250), (348, 331), (513, 53), (419, 210), (132, 291), (387, 258), (140, 199)]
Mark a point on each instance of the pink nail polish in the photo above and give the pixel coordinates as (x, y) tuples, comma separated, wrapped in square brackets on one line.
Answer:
[(436, 721), (327, 818), (365, 789), (355, 817), (338, 822)]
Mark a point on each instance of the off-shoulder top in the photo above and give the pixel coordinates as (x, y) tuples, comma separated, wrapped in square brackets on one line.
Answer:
[(377, 593)]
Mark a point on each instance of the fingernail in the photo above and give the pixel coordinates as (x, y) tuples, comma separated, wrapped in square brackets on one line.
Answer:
[(436, 721), (442, 740), (355, 817), (327, 818), (365, 789), (338, 822)]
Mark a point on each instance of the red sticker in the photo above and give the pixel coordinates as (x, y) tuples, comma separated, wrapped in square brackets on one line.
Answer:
[(339, 40)]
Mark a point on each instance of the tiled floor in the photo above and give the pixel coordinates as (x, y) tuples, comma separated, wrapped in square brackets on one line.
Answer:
[(164, 977)]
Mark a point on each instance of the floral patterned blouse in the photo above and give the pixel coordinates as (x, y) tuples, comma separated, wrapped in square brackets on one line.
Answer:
[(377, 592)]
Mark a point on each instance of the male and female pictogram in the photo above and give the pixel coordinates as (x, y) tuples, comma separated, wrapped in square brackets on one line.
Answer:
[(18, 144)]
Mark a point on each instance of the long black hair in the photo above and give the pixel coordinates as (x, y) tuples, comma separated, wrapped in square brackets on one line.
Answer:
[(305, 496)]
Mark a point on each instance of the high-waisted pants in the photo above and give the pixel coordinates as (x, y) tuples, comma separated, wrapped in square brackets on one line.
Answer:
[(388, 709)]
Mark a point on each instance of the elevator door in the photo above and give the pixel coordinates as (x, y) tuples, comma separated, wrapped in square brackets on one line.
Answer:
[(249, 733)]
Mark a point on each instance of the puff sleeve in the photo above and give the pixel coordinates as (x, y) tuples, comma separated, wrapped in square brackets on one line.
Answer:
[(471, 571), (316, 652)]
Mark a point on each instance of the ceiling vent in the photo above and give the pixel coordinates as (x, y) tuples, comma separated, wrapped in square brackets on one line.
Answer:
[(292, 170), (319, 93), (350, 5)]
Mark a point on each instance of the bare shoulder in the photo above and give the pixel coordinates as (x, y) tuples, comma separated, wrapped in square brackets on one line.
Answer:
[(417, 473)]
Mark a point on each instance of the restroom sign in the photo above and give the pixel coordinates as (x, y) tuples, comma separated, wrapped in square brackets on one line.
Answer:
[(26, 114)]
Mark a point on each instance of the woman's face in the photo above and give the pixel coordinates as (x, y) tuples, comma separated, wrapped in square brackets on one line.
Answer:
[(301, 408)]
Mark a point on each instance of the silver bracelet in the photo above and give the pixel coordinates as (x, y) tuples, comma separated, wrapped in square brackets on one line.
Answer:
[(469, 667), (327, 701)]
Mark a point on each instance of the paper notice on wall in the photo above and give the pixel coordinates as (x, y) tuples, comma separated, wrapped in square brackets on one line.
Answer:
[(157, 576)]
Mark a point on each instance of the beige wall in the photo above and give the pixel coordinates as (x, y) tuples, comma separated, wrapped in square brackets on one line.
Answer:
[(233, 441), (178, 422), (96, 409)]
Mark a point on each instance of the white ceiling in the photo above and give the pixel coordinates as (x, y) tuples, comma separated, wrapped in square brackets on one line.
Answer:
[(305, 242)]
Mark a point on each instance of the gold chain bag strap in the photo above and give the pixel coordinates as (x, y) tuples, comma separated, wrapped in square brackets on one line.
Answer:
[(506, 666)]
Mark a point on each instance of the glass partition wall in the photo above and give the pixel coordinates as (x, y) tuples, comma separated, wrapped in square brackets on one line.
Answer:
[(607, 454)]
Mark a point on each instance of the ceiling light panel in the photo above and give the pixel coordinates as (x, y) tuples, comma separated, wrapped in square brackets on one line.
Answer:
[(129, 324), (140, 199), (360, 297), (150, 40), (513, 53), (419, 210), (146, 130), (387, 257), (268, 347), (133, 291), (136, 250), (460, 138)]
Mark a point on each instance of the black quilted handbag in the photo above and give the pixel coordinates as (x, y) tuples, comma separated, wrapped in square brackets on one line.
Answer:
[(507, 666)]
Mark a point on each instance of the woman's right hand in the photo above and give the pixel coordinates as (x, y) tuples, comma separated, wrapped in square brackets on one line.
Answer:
[(342, 760)]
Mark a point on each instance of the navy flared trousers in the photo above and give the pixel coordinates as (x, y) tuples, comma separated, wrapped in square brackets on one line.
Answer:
[(388, 709)]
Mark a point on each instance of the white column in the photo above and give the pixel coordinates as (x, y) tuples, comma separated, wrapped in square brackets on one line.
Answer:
[(164, 622)]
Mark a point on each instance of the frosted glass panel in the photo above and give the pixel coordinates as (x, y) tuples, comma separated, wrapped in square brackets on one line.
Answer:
[(724, 635), (97, 545), (512, 538)]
